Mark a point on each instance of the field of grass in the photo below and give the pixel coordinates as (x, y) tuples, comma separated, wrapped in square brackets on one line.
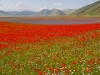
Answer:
[(28, 49)]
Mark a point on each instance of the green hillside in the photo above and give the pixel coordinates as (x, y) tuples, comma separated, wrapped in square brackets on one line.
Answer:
[(91, 9)]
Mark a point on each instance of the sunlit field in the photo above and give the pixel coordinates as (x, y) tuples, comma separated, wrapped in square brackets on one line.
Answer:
[(40, 49)]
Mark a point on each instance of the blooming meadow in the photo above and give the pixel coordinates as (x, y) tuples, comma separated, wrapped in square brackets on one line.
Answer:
[(30, 49)]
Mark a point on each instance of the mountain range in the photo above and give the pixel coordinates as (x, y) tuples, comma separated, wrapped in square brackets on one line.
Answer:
[(44, 12)]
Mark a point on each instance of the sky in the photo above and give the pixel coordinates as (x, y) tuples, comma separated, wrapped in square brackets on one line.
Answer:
[(37, 5)]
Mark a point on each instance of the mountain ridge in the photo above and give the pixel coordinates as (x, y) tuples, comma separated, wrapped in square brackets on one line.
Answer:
[(44, 12)]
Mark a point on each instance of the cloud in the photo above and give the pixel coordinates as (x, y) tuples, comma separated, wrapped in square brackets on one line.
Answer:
[(44, 7), (4, 7), (58, 4), (20, 6), (1, 5), (17, 7)]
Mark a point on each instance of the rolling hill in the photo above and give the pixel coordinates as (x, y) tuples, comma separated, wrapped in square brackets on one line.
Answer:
[(91, 9)]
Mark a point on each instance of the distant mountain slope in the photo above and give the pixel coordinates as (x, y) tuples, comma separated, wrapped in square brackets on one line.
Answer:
[(57, 12), (23, 13), (44, 12), (3, 13), (69, 11), (53, 12), (91, 9)]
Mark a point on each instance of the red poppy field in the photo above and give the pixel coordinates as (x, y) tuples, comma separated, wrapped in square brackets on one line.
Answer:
[(37, 49)]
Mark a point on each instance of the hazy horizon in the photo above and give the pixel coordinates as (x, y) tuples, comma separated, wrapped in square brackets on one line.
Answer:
[(37, 5)]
